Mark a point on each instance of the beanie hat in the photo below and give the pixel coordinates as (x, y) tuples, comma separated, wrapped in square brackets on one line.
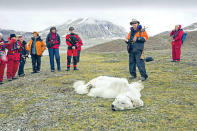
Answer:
[(71, 28), (12, 35), (35, 32)]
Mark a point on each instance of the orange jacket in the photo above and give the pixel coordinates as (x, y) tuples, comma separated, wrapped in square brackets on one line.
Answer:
[(143, 34), (40, 46)]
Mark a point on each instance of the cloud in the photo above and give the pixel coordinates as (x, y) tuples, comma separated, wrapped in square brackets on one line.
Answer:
[(94, 4), (35, 15)]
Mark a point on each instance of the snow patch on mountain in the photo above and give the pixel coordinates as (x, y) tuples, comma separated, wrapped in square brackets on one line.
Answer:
[(88, 20), (192, 27), (91, 30)]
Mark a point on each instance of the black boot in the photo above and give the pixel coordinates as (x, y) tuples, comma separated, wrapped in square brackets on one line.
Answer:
[(68, 69), (21, 75), (33, 72), (14, 78), (132, 77), (10, 79), (75, 69)]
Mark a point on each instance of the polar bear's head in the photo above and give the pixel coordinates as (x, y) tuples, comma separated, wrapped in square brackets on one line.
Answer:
[(124, 102)]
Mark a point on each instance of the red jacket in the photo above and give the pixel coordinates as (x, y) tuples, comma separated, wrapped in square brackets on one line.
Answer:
[(177, 36), (56, 40), (73, 40), (13, 52)]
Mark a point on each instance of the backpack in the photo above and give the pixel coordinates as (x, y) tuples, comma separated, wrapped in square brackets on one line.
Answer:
[(148, 59), (184, 37)]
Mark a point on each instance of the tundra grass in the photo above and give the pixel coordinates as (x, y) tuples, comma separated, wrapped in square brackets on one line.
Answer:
[(47, 101)]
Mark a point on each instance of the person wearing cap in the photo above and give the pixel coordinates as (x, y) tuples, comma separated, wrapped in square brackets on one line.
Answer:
[(53, 42), (13, 55), (36, 47), (73, 41), (177, 35), (3, 58), (23, 55), (136, 39)]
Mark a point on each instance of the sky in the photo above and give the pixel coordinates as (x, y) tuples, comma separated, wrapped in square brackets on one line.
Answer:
[(156, 15)]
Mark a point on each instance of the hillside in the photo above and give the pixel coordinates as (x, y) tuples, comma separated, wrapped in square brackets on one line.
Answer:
[(157, 42), (163, 41), (113, 46)]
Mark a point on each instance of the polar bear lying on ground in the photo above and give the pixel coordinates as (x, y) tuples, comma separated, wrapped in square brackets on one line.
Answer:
[(127, 96)]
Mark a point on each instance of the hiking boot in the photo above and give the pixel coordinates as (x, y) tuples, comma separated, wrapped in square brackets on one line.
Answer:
[(14, 78), (33, 72), (52, 70), (142, 78), (1, 83), (38, 71), (132, 77), (21, 75), (75, 69), (10, 79), (173, 61), (68, 69)]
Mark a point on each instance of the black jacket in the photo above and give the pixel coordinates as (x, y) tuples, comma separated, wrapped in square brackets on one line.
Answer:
[(138, 45), (24, 51)]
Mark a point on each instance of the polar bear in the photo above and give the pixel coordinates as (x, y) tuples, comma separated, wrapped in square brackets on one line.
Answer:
[(127, 96)]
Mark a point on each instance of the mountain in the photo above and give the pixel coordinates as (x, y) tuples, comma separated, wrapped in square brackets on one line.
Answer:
[(92, 31), (158, 42), (192, 27), (6, 33)]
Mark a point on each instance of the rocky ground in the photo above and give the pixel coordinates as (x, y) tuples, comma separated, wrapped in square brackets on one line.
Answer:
[(47, 101)]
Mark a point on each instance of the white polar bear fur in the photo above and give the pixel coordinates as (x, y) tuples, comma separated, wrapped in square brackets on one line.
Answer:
[(127, 95)]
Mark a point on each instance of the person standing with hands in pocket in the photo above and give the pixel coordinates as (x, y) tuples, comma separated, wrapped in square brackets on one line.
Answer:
[(53, 42)]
